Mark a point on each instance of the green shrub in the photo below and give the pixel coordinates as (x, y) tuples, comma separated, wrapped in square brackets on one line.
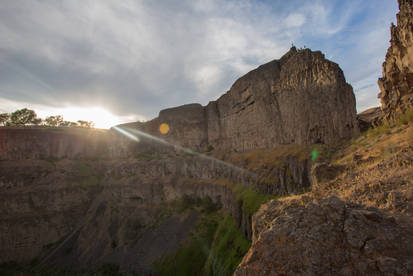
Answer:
[(406, 117), (208, 205), (227, 250), (251, 200), (190, 202), (192, 256), (216, 247), (379, 130)]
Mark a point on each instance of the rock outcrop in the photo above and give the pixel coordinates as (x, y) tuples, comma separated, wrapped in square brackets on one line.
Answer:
[(326, 237), (369, 118), (301, 98), (396, 84)]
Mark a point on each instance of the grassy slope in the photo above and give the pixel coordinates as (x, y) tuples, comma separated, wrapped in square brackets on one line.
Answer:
[(378, 169)]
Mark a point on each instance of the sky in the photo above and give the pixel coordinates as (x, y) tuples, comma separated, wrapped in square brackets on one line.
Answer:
[(118, 61)]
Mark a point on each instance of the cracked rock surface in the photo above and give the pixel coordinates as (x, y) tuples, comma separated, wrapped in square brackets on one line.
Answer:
[(303, 236)]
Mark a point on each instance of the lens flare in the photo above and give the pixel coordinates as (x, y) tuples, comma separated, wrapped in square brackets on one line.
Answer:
[(315, 154), (127, 134), (134, 134), (164, 128)]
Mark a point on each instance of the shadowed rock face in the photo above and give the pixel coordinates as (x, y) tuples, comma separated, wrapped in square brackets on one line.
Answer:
[(36, 143), (396, 85), (301, 98)]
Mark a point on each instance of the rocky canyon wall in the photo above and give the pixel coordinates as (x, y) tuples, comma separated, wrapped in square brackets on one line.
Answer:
[(88, 196), (19, 143), (396, 84), (301, 98)]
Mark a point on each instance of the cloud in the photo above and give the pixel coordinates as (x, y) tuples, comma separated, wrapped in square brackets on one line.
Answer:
[(295, 20), (137, 57)]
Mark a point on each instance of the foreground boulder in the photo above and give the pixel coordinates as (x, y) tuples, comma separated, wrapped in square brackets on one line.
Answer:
[(326, 237), (396, 85), (301, 98)]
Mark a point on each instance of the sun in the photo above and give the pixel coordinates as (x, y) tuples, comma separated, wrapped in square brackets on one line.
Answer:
[(101, 117)]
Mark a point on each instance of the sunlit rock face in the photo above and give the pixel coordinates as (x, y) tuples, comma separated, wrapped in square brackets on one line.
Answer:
[(396, 85), (328, 236), (301, 98)]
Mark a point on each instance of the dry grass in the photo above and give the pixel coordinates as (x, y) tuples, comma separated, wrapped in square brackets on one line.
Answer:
[(379, 167)]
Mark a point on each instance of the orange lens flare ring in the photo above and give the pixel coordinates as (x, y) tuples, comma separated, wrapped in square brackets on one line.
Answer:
[(164, 128)]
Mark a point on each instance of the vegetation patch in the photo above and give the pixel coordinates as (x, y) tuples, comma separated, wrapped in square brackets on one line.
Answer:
[(405, 118), (216, 247), (379, 130), (204, 204), (228, 248), (191, 258), (250, 199)]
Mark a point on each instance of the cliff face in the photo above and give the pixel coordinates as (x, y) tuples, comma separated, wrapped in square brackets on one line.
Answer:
[(37, 143), (43, 201), (72, 143), (396, 85), (301, 98)]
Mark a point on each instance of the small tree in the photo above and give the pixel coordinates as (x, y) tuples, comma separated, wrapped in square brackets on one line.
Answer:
[(23, 117), (85, 124), (4, 118), (68, 124), (37, 121), (73, 124), (54, 121)]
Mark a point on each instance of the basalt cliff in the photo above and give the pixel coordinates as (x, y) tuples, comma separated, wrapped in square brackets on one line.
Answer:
[(302, 98), (396, 84), (272, 178)]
